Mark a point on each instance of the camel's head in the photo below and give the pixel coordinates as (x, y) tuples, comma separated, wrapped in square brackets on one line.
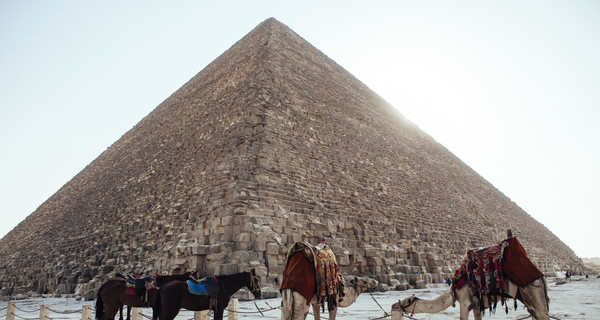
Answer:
[(405, 304), (362, 284)]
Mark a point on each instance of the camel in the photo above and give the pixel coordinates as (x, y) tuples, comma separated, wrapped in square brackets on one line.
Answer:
[(295, 307), (534, 296)]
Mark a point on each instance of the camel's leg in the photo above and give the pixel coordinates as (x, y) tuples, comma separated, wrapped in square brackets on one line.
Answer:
[(293, 305), (332, 313), (464, 312), (316, 311), (300, 306), (477, 314)]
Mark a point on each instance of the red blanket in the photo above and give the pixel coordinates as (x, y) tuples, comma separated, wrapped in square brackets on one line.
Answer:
[(299, 274), (517, 266)]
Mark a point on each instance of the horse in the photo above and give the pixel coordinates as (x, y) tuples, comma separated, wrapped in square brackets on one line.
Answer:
[(175, 295), (111, 295)]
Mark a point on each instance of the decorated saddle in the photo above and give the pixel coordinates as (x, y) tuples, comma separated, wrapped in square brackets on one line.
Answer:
[(312, 271), (299, 272), (486, 269), (207, 286), (329, 279)]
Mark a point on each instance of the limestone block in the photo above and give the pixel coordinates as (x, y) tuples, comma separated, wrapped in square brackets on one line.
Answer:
[(420, 284), (273, 248)]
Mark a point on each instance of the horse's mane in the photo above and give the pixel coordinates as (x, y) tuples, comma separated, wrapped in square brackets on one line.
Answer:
[(225, 276)]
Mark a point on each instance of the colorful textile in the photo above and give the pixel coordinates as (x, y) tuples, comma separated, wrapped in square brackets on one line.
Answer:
[(484, 269), (328, 276), (299, 274), (517, 266), (487, 268)]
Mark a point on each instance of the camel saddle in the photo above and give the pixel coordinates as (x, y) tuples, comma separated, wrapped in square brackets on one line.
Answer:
[(299, 272), (487, 268)]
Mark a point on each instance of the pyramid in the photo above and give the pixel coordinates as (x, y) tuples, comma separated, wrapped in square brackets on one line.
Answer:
[(271, 142)]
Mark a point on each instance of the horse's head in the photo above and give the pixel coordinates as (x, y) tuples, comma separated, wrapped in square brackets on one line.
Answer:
[(405, 304), (254, 284)]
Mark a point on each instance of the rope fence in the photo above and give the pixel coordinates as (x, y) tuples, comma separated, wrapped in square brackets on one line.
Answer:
[(87, 313)]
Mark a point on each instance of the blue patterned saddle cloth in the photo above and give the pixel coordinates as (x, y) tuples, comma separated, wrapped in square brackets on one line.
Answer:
[(208, 286), (197, 288)]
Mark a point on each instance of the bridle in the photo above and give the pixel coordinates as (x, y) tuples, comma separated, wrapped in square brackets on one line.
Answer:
[(414, 304), (254, 287), (357, 285)]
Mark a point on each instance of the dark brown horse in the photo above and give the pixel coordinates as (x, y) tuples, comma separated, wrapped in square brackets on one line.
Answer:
[(175, 295), (112, 297)]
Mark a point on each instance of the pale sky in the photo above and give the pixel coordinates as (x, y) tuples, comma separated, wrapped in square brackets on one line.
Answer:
[(510, 87)]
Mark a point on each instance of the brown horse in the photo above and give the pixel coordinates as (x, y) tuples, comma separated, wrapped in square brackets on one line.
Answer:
[(175, 295), (112, 297)]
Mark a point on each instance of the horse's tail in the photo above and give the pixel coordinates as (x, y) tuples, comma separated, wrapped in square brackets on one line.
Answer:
[(99, 306), (287, 304)]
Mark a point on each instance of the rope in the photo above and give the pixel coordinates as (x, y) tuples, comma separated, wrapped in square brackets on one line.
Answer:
[(259, 310), (65, 312), (145, 316), (2, 309), (18, 316), (384, 312), (26, 311)]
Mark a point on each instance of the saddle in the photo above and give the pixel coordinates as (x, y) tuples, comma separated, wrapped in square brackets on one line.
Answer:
[(312, 271), (140, 286), (207, 286), (488, 268)]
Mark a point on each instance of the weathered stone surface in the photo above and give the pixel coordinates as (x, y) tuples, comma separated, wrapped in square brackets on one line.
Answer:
[(271, 142)]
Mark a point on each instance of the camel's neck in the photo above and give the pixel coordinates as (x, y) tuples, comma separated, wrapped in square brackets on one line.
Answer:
[(350, 297), (432, 306)]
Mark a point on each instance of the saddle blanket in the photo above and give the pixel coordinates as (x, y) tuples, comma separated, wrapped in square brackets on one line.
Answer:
[(328, 276), (197, 288), (299, 274), (207, 286)]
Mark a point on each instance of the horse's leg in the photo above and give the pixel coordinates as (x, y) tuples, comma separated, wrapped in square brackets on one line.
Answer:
[(111, 312), (218, 315), (128, 313), (121, 312)]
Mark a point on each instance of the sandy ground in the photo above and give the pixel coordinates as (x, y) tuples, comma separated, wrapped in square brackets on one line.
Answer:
[(578, 298)]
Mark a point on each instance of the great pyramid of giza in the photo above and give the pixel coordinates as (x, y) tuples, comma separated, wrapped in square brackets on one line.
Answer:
[(271, 142)]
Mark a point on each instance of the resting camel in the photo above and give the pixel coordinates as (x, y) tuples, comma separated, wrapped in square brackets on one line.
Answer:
[(534, 296), (295, 307), (505, 263)]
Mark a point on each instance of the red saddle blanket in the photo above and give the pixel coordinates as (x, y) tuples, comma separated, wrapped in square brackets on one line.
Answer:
[(299, 274), (517, 266), (487, 268)]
